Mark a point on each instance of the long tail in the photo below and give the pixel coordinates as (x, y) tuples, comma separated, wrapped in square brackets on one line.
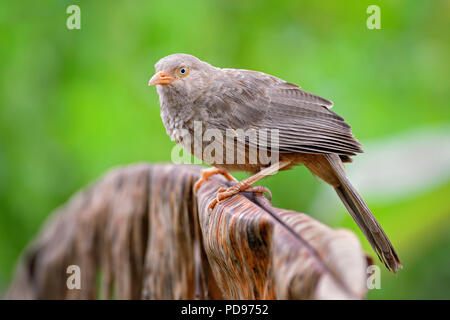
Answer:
[(359, 211), (364, 217)]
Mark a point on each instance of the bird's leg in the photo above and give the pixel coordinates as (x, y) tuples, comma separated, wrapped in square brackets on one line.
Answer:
[(207, 173), (246, 184)]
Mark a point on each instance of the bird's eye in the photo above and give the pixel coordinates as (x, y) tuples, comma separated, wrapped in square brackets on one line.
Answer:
[(183, 71)]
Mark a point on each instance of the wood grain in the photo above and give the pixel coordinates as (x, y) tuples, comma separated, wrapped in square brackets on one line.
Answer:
[(139, 232)]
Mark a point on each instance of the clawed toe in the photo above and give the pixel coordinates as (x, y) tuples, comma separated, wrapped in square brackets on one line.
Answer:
[(225, 193), (222, 194), (260, 189), (198, 184), (207, 173), (212, 204)]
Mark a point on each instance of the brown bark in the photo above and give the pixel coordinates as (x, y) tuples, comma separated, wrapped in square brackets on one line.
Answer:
[(139, 232)]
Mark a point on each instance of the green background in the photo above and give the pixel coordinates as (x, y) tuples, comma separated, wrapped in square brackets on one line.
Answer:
[(74, 103)]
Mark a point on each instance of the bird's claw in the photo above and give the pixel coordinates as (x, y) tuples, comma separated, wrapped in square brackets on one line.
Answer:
[(225, 193), (199, 183), (261, 190), (207, 173)]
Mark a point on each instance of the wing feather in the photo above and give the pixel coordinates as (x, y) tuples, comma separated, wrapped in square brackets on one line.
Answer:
[(246, 99)]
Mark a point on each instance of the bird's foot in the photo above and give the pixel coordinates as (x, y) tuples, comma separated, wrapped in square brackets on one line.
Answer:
[(225, 193), (207, 173)]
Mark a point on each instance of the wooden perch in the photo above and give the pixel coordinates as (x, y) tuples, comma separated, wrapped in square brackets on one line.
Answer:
[(140, 233)]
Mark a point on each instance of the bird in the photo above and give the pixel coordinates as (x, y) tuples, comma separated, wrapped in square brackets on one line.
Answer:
[(193, 92)]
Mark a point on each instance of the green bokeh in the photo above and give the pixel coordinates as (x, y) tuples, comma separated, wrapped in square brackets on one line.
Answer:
[(74, 103)]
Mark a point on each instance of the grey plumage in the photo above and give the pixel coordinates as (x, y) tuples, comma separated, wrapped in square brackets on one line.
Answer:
[(243, 99), (363, 217), (309, 132)]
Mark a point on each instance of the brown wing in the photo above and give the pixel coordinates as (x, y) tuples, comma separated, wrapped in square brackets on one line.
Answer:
[(307, 125), (246, 99)]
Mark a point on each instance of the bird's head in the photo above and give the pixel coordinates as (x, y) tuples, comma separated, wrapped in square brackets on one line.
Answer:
[(181, 73)]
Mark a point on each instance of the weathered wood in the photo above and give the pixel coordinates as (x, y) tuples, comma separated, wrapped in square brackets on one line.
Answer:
[(140, 233)]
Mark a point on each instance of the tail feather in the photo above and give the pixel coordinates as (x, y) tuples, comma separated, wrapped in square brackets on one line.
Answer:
[(364, 217)]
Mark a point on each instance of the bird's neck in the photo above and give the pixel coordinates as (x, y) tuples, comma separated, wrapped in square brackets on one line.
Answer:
[(176, 116)]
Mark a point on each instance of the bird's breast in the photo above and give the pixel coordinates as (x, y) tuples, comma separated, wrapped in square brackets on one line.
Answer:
[(175, 123)]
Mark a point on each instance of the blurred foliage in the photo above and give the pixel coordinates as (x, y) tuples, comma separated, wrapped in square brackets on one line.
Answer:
[(74, 103)]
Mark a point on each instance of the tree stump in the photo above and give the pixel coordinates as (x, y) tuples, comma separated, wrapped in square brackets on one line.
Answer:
[(140, 232)]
